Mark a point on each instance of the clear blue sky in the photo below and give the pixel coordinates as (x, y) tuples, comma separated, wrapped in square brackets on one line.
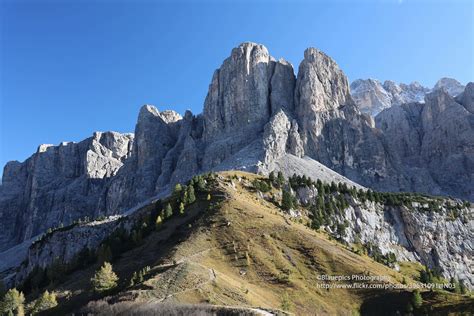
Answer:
[(69, 68)]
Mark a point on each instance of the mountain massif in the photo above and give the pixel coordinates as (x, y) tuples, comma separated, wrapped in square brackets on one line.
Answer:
[(260, 117)]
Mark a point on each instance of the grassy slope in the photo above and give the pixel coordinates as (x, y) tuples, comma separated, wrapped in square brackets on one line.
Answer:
[(240, 252)]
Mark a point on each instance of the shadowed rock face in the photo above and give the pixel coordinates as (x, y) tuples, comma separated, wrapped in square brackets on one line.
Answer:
[(58, 184), (257, 117), (434, 142)]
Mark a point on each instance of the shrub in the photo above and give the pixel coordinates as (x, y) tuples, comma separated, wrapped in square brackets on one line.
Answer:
[(104, 279), (286, 303)]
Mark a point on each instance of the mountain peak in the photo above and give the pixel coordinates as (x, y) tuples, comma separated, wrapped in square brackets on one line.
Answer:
[(452, 86)]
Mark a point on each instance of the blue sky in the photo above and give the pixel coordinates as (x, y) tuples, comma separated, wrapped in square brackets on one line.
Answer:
[(68, 68)]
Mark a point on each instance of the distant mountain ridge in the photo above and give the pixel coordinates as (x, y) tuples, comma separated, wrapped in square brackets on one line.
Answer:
[(372, 97), (258, 116)]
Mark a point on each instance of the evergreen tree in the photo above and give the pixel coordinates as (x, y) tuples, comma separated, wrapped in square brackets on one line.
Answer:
[(45, 301), (177, 188), (104, 279), (320, 202), (456, 286), (329, 207), (286, 200), (208, 197), (137, 237), (158, 222), (181, 208), (271, 177), (463, 287), (167, 212), (280, 178), (184, 196), (191, 195), (333, 187), (104, 254), (321, 189), (201, 184), (12, 303), (55, 271), (416, 299)]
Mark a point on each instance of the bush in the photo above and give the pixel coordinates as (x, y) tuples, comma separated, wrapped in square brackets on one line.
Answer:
[(104, 279), (286, 303)]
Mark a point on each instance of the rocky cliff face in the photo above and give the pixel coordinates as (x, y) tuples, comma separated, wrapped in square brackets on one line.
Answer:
[(416, 234), (58, 184), (434, 142), (257, 117)]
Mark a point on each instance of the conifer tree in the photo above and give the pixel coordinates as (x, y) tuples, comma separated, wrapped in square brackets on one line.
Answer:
[(286, 200), (191, 194), (201, 184), (158, 222), (280, 178), (271, 177), (12, 303), (416, 299), (104, 279), (45, 301), (104, 254), (181, 208)]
